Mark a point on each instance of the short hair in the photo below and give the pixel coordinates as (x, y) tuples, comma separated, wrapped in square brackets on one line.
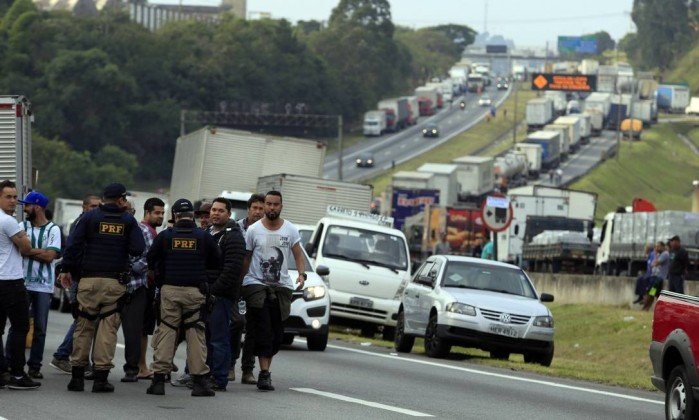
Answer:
[(223, 201), (256, 198), (152, 203), (276, 194), (7, 184), (89, 197)]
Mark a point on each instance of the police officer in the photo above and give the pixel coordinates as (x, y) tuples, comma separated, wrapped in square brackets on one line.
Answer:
[(181, 255), (99, 250)]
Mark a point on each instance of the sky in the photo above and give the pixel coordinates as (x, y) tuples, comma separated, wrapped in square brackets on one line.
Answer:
[(529, 23)]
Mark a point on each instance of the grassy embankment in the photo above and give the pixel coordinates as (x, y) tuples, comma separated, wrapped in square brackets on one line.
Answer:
[(659, 168), (468, 142), (601, 344)]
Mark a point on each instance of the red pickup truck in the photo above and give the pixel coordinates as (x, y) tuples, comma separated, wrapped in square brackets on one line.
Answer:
[(674, 352)]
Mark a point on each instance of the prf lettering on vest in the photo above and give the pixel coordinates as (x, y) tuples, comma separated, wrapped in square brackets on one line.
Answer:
[(112, 228), (184, 244)]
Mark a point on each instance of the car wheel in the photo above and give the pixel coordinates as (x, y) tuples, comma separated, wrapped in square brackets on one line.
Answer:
[(288, 339), (434, 345), (317, 342), (388, 333), (368, 330), (543, 359), (402, 342), (679, 401), (500, 355)]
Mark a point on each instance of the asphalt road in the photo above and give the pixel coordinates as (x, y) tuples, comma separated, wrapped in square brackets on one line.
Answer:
[(406, 144), (345, 381)]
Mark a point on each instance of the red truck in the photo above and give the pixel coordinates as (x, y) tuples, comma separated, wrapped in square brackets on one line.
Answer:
[(674, 352)]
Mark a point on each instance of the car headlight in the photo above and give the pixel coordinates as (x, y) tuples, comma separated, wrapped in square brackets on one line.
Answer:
[(313, 292), (424, 130), (543, 321), (434, 131), (461, 309), (369, 161), (359, 161)]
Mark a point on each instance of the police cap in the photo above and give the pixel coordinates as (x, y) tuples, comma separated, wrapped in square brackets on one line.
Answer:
[(114, 190), (182, 206)]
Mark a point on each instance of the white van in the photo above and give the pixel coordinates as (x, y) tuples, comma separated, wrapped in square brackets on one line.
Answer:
[(369, 263)]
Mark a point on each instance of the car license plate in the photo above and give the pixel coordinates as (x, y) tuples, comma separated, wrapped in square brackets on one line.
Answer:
[(503, 330), (361, 302)]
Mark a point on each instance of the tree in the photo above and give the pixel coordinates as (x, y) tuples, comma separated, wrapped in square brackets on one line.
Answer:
[(431, 52), (461, 35), (604, 41), (372, 15), (629, 45)]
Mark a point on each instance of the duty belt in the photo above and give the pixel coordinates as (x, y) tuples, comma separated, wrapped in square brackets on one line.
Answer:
[(106, 274)]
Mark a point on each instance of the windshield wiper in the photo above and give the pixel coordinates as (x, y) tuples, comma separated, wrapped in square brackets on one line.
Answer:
[(502, 291), (372, 262), (461, 286), (345, 258)]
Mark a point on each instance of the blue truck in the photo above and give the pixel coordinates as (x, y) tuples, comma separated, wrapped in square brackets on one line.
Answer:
[(673, 98), (550, 142)]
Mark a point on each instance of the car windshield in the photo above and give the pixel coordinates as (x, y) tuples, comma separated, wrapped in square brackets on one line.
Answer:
[(366, 247), (371, 123), (485, 97), (305, 235), (468, 275), (308, 267)]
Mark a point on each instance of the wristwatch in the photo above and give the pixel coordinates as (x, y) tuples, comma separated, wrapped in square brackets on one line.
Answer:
[(304, 275)]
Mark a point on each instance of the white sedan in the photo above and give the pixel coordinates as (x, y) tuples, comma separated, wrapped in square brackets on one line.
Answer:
[(485, 100), (477, 303)]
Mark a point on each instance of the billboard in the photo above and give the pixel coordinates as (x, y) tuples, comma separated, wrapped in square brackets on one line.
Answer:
[(496, 49), (409, 202), (576, 45), (564, 82)]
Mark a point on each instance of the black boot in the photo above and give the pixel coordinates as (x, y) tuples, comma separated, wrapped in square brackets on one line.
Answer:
[(157, 387), (77, 382), (202, 387), (264, 381), (101, 384)]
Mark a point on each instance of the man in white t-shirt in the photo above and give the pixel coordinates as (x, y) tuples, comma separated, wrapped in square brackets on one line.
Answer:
[(39, 266), (13, 294), (267, 286)]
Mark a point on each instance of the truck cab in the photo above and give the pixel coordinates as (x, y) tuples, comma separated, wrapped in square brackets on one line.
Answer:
[(369, 264)]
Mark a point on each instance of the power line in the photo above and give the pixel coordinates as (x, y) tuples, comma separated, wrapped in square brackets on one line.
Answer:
[(523, 21)]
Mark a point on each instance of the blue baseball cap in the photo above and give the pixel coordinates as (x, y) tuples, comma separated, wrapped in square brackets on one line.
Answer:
[(37, 198)]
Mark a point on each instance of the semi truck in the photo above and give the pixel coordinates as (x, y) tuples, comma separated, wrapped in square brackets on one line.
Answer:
[(563, 246), (306, 199), (550, 142), (475, 177), (673, 98), (533, 154), (575, 129), (642, 110), (538, 113), (212, 159), (414, 108), (583, 204), (444, 179), (560, 102), (374, 123), (606, 79), (397, 111), (564, 139), (16, 117), (475, 82), (427, 100)]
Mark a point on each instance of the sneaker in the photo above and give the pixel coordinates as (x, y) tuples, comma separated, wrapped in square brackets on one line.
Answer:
[(264, 381), (25, 382), (62, 365), (184, 380), (130, 377), (35, 374), (248, 378)]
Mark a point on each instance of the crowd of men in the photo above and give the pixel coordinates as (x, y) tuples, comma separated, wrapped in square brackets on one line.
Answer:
[(204, 281), (665, 262)]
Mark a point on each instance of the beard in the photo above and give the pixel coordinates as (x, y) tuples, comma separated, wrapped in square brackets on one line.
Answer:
[(272, 215), (31, 216)]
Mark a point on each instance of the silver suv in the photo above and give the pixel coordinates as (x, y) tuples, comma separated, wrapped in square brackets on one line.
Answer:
[(478, 303)]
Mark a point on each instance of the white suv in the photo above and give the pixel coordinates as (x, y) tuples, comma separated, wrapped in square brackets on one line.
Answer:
[(478, 303)]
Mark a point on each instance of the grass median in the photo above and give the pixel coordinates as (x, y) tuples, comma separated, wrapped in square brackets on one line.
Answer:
[(481, 135), (659, 168), (602, 344)]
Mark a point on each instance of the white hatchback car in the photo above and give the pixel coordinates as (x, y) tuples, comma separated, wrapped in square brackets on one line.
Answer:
[(310, 308), (478, 303)]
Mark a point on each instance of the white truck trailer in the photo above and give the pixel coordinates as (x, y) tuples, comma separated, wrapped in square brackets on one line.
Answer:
[(16, 118)]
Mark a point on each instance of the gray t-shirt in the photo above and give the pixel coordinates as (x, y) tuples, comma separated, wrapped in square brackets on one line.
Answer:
[(271, 250), (10, 259), (661, 269)]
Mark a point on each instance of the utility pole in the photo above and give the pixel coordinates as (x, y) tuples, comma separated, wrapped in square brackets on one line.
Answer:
[(183, 115), (514, 117), (339, 147), (618, 108)]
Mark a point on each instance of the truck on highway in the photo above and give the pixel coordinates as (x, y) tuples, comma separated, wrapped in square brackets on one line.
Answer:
[(564, 138), (306, 199), (600, 102), (427, 100), (617, 113), (17, 116), (538, 113), (560, 102), (585, 127), (212, 159), (589, 67), (642, 110), (414, 108), (550, 142), (606, 79), (583, 204), (475, 177), (510, 170), (533, 153), (625, 236), (674, 353), (475, 82), (647, 86), (398, 112), (563, 245), (575, 129), (444, 179), (596, 121), (374, 123), (673, 98), (519, 72), (693, 108)]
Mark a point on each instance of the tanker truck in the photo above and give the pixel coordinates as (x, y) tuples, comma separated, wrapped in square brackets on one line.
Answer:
[(510, 170)]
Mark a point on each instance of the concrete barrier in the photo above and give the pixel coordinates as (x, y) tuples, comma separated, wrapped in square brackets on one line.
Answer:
[(601, 290)]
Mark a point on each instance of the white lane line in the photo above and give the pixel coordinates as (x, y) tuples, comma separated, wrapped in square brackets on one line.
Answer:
[(362, 402), (500, 375)]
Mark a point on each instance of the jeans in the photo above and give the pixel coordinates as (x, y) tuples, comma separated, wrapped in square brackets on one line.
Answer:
[(14, 304), (676, 283), (219, 342), (236, 331), (39, 304), (66, 348)]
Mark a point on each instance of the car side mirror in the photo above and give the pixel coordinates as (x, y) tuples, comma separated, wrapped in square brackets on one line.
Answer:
[(309, 248), (322, 270), (546, 297)]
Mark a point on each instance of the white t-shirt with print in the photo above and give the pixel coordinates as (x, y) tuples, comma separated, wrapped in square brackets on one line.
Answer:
[(271, 250), (39, 276), (10, 258)]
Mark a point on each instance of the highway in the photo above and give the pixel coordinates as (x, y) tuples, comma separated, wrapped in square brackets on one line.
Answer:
[(345, 381), (406, 144)]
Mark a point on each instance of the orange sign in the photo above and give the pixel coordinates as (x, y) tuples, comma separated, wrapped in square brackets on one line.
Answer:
[(564, 82)]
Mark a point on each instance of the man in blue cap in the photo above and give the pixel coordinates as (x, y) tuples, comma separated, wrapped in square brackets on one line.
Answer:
[(39, 271), (100, 247)]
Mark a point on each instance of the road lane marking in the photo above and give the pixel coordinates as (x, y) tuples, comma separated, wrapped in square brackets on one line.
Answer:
[(499, 375), (361, 402)]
